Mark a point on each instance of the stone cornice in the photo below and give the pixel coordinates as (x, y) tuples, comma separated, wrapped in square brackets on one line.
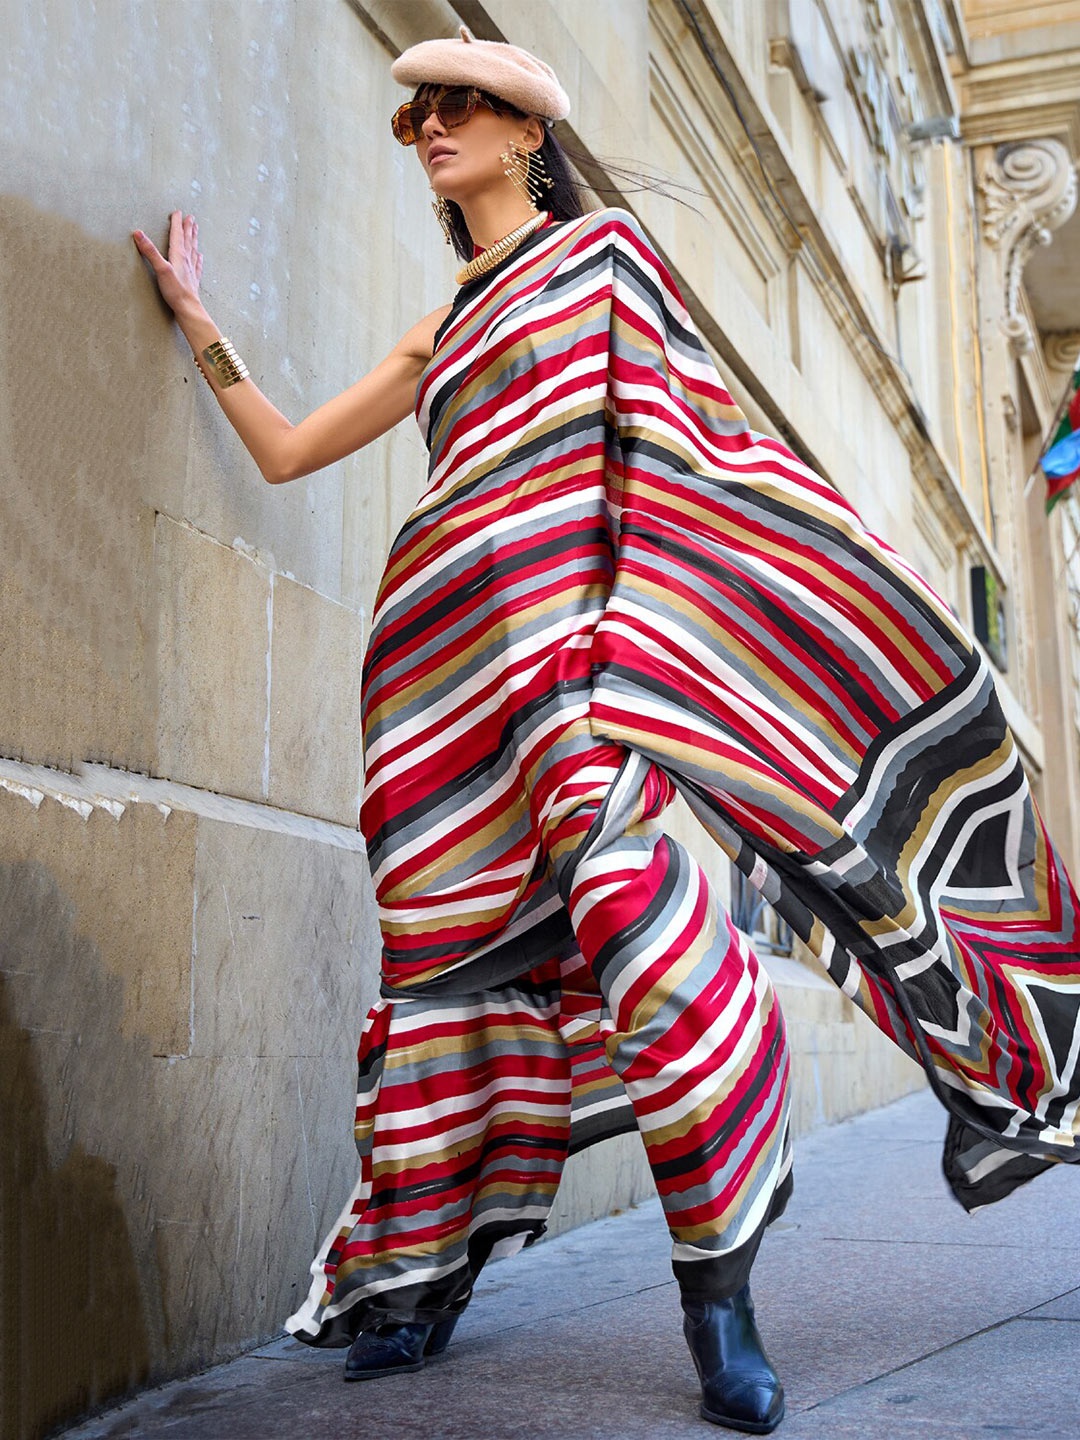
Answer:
[(1013, 100)]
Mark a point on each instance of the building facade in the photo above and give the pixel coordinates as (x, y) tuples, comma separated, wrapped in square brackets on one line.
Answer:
[(870, 208)]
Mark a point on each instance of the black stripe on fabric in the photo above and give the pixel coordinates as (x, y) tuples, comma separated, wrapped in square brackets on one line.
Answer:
[(561, 279), (612, 950), (891, 585), (603, 1126), (425, 1302), (760, 600), (1017, 1170), (534, 450), (1006, 995), (372, 1061), (743, 495), (692, 1160), (626, 261), (544, 546), (989, 715), (388, 1193), (501, 965), (467, 293), (460, 784), (913, 791), (649, 684)]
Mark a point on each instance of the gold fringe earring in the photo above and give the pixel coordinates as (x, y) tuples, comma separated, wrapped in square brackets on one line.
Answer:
[(444, 216), (516, 167), (538, 179)]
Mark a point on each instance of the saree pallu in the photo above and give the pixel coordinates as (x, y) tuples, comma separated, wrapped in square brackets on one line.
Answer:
[(611, 591)]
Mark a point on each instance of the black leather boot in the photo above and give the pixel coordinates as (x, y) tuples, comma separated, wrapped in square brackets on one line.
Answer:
[(739, 1388), (396, 1349)]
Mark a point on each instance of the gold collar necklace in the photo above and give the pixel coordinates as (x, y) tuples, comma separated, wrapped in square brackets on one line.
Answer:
[(495, 254)]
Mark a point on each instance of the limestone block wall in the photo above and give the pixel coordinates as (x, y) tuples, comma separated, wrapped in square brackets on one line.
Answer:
[(188, 946), (179, 969)]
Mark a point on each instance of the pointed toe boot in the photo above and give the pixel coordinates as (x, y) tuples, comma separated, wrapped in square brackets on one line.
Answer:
[(396, 1349), (739, 1387)]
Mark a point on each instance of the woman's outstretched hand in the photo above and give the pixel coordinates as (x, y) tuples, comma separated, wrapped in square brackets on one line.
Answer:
[(179, 273)]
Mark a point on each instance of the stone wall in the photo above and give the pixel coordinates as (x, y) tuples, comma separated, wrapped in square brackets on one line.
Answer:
[(189, 944)]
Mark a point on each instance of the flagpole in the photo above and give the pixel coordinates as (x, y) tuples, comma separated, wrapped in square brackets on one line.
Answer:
[(1070, 389)]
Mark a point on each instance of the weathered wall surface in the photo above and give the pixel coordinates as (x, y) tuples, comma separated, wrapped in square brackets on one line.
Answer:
[(188, 943), (183, 977)]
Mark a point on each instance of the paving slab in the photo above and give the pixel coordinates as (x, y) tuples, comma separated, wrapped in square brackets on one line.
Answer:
[(1011, 1377), (889, 1312)]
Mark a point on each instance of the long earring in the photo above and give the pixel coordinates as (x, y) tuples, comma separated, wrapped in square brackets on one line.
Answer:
[(444, 215), (538, 180), (515, 160)]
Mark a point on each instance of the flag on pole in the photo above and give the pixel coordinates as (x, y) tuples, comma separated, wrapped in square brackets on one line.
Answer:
[(1060, 459)]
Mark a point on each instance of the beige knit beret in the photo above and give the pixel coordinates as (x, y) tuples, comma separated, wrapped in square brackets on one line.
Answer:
[(491, 65)]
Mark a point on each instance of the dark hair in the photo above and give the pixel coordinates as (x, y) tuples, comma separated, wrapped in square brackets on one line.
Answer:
[(563, 200)]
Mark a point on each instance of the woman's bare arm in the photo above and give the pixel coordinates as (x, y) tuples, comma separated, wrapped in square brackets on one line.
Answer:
[(281, 450)]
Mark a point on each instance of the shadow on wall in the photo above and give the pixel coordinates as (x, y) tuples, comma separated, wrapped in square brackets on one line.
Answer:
[(72, 1326), (91, 417)]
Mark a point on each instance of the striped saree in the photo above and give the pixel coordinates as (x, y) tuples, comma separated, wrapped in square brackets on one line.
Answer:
[(612, 590)]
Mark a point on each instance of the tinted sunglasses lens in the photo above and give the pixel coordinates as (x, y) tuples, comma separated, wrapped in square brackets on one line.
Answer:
[(407, 121), (455, 107)]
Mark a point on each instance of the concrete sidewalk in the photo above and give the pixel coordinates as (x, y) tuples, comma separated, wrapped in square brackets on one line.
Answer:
[(889, 1313)]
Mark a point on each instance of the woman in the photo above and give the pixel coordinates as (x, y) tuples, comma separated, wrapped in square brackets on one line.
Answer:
[(613, 590)]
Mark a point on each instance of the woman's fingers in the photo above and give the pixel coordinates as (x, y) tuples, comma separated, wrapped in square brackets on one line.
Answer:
[(146, 247), (178, 272)]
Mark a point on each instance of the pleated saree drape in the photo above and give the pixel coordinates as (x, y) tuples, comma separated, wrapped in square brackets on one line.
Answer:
[(612, 590)]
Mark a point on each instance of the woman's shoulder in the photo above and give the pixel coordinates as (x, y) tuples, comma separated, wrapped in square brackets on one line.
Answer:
[(613, 218), (618, 229)]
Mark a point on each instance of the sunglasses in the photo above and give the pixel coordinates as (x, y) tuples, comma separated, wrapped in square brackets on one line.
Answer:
[(453, 107)]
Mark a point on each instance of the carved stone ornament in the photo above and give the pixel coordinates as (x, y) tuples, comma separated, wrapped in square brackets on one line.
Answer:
[(1029, 190), (1061, 349)]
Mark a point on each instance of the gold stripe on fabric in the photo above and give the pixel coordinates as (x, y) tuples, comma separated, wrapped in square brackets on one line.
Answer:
[(868, 607), (428, 1249), (504, 627), (676, 973), (458, 1150), (717, 1098), (564, 327), (418, 884), (466, 1041), (775, 794), (473, 510), (768, 675), (462, 917), (540, 1186), (602, 1082), (688, 1234)]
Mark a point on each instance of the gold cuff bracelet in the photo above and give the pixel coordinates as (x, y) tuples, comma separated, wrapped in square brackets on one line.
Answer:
[(226, 364)]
